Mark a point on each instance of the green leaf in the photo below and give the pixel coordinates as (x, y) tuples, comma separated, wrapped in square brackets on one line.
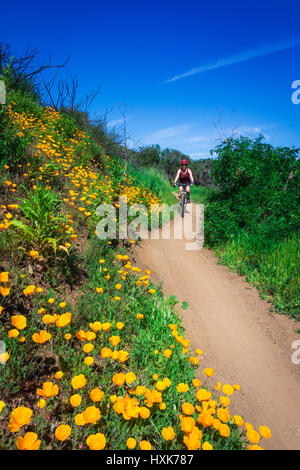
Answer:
[(184, 305), (52, 242), (18, 224), (173, 300)]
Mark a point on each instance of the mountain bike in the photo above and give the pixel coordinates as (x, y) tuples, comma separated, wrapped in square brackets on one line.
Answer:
[(183, 198)]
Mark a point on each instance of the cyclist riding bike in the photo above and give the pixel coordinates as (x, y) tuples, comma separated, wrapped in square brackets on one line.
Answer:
[(184, 177)]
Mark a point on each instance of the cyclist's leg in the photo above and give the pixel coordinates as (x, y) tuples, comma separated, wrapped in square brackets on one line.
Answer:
[(180, 191), (188, 190)]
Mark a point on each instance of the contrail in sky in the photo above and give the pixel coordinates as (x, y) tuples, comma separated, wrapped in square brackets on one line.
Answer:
[(247, 55)]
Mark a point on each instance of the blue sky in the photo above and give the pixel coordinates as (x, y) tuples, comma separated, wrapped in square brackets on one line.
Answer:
[(187, 71)]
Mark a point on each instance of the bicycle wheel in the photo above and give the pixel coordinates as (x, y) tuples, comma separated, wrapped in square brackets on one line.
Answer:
[(182, 203)]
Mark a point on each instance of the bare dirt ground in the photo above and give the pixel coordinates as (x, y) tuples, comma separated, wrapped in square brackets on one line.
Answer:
[(241, 339)]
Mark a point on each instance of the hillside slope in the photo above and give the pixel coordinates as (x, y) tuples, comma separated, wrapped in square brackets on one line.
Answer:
[(93, 355)]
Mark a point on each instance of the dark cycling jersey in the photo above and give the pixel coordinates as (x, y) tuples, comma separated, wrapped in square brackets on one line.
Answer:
[(184, 177)]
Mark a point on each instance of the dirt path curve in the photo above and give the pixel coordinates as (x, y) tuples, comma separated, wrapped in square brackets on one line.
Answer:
[(240, 339)]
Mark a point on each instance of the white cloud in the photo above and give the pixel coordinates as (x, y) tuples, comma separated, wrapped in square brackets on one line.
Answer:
[(115, 122), (195, 139), (249, 130), (252, 131), (173, 131), (200, 154), (247, 55)]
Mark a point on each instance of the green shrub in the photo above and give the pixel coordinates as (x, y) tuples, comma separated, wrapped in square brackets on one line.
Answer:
[(24, 103), (12, 146), (44, 225), (259, 184), (220, 223)]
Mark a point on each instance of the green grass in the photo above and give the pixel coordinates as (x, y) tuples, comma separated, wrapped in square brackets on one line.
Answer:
[(199, 194), (272, 267), (157, 182)]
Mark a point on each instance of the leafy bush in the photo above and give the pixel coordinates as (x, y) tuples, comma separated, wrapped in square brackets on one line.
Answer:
[(220, 223), (12, 146), (44, 225), (253, 217), (24, 102), (258, 184)]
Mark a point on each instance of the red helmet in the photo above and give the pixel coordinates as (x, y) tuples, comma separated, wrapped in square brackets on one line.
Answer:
[(183, 162)]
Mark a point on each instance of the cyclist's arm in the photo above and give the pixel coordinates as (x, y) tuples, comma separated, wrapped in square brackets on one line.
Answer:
[(177, 176), (191, 176)]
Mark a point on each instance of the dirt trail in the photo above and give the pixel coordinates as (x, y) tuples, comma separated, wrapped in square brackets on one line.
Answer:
[(240, 339)]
